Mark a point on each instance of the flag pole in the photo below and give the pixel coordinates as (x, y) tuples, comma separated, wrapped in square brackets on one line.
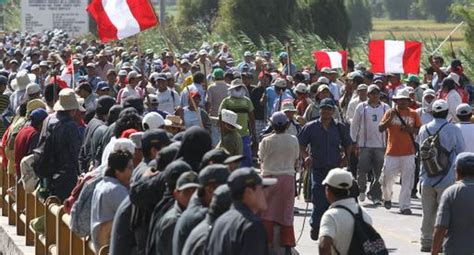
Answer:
[(447, 38)]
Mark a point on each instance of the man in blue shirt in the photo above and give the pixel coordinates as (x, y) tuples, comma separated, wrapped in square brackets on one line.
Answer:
[(325, 138), (432, 187), (198, 79)]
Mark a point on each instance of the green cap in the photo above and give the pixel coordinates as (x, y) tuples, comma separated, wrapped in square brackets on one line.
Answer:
[(187, 180), (218, 73), (413, 78)]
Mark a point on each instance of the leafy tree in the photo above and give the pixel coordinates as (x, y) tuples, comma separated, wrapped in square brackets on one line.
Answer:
[(466, 12), (192, 11), (256, 19), (439, 9), (360, 16), (397, 9)]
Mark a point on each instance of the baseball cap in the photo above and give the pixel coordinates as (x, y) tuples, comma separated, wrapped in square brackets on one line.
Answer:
[(301, 88), (362, 87), (92, 65), (234, 158), (38, 115), (279, 119), (202, 52), (124, 144), (187, 180), (153, 120), (327, 102), (194, 94), (133, 74), (323, 80), (280, 83), (136, 138), (104, 103), (440, 105), (34, 67), (166, 155), (247, 177), (32, 88), (248, 54), (322, 87), (213, 174), (465, 160), (288, 106), (155, 138), (216, 156), (122, 73), (463, 109), (373, 88), (128, 132), (102, 85), (412, 78), (218, 73), (173, 171), (338, 178)]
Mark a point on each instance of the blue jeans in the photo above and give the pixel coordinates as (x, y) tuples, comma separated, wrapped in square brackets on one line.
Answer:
[(247, 152), (318, 196)]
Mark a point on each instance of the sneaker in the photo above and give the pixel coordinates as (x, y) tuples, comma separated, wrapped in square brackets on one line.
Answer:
[(387, 205), (425, 249), (314, 234), (377, 202), (414, 196), (406, 212), (361, 197)]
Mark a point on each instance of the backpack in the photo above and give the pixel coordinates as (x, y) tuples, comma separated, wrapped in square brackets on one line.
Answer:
[(44, 165), (81, 209), (365, 239), (28, 176), (434, 157)]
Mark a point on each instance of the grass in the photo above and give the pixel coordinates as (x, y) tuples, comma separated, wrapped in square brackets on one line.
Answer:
[(409, 29)]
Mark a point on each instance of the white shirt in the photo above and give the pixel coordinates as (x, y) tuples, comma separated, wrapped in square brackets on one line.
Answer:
[(128, 91), (338, 224), (335, 91), (351, 108), (467, 130), (454, 99), (365, 125), (168, 100)]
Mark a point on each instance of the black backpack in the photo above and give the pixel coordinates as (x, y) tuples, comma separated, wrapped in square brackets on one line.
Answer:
[(44, 164), (365, 239)]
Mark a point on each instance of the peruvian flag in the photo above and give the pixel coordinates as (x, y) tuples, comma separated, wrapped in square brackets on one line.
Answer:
[(387, 56), (68, 73), (119, 19), (331, 59)]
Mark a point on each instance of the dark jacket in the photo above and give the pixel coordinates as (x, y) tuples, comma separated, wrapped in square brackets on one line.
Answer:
[(85, 154), (238, 231), (165, 229)]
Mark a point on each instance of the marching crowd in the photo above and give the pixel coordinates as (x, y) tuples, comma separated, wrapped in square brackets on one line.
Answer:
[(205, 152)]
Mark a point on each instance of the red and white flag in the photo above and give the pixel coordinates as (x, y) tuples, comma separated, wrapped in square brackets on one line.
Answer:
[(67, 75), (331, 59), (119, 19), (387, 56)]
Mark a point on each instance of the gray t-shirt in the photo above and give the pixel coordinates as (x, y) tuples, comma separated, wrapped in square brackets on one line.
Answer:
[(455, 212)]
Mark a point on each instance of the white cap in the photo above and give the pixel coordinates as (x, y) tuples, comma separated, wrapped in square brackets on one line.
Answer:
[(32, 88), (339, 178), (455, 77), (153, 120), (362, 87), (280, 83), (402, 94), (124, 144), (301, 88), (122, 73), (440, 105), (373, 87), (323, 80), (463, 109), (202, 52), (230, 118), (429, 92)]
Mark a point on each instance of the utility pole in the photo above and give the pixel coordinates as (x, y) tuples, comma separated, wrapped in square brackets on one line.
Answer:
[(162, 13)]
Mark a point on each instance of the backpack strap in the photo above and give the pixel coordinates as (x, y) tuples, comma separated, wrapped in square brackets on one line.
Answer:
[(359, 214), (405, 124)]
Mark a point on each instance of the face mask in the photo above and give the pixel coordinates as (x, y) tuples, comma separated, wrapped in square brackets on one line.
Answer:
[(427, 106), (237, 93)]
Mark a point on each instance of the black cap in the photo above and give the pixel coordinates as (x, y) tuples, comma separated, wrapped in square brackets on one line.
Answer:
[(173, 171), (213, 174), (166, 155), (216, 156), (155, 138), (104, 103), (233, 159), (247, 177), (221, 201), (187, 180), (134, 102)]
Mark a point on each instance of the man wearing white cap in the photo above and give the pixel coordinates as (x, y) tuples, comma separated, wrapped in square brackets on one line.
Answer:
[(205, 65), (337, 223), (361, 97), (433, 183), (230, 138), (402, 123), (370, 142), (464, 114)]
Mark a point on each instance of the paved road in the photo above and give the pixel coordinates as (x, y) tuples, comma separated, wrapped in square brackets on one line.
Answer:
[(401, 233)]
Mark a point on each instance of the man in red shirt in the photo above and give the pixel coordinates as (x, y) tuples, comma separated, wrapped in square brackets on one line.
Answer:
[(27, 139)]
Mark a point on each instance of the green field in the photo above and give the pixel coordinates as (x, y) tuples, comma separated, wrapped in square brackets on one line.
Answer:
[(426, 29)]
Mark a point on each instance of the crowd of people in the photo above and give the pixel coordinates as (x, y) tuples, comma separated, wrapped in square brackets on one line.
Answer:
[(204, 152)]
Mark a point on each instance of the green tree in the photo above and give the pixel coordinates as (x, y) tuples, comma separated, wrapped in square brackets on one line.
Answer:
[(397, 9), (439, 9), (192, 11), (257, 19), (360, 16), (466, 12)]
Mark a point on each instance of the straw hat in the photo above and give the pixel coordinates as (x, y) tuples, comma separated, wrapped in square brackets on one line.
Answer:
[(230, 118), (173, 121), (22, 80), (67, 101)]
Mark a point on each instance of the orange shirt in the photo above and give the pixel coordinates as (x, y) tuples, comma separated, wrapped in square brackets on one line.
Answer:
[(399, 142)]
